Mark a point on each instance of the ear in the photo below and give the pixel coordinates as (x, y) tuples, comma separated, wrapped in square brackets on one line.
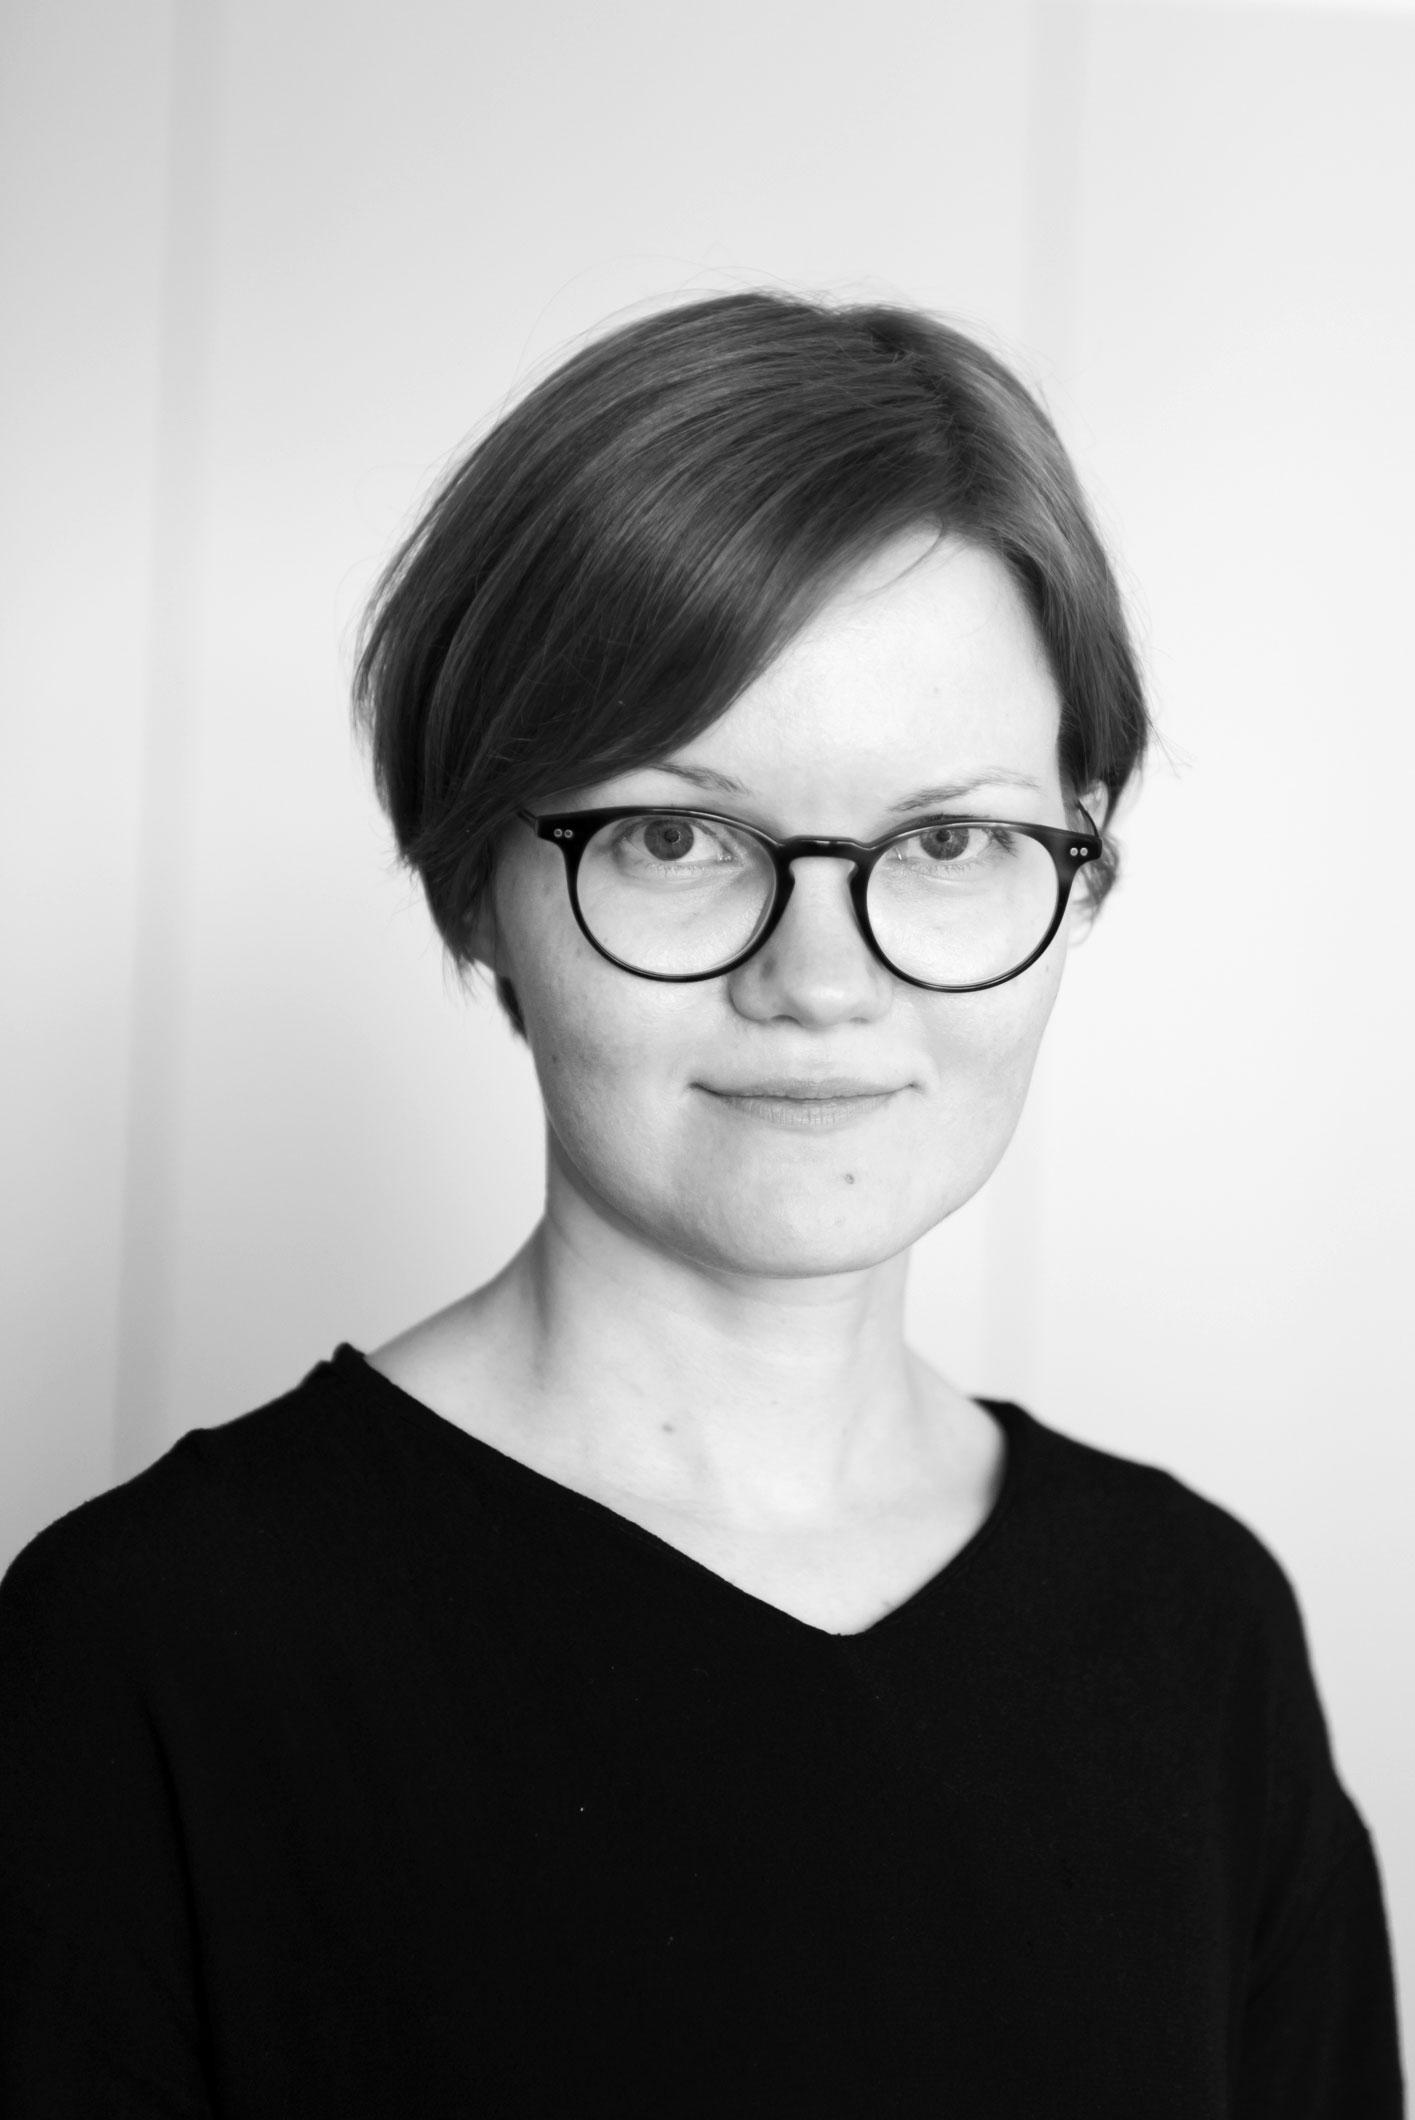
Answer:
[(482, 937), (1096, 803)]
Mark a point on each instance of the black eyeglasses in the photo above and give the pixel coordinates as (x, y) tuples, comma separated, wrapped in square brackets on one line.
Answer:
[(954, 905)]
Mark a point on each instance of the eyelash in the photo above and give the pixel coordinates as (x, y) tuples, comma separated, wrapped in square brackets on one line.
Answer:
[(922, 823), (667, 868)]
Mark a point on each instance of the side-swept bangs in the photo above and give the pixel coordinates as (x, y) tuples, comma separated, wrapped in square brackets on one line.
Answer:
[(632, 544)]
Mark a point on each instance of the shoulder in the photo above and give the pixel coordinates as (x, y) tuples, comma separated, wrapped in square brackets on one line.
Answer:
[(1148, 1538), (1160, 1590), (162, 1541)]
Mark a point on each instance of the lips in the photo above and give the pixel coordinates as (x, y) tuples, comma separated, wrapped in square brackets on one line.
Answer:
[(806, 1090), (815, 1108)]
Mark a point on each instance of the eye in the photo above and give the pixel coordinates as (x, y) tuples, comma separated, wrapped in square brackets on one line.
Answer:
[(668, 838), (947, 848), (653, 840), (949, 842)]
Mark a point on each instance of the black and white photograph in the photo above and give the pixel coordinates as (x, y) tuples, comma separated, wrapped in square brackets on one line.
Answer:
[(707, 1211)]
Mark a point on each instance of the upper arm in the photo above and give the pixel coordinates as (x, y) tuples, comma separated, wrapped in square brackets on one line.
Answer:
[(1320, 2036), (99, 1995)]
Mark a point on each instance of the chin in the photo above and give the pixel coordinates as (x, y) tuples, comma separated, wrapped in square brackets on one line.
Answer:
[(782, 1246)]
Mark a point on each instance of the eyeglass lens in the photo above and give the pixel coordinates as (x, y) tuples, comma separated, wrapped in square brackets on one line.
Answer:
[(951, 904)]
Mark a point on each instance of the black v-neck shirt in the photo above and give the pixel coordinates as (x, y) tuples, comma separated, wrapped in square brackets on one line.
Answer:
[(350, 1767)]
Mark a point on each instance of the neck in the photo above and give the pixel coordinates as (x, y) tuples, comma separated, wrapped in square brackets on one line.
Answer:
[(754, 1400)]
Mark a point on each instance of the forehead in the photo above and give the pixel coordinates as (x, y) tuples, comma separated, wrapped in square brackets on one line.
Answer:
[(926, 660)]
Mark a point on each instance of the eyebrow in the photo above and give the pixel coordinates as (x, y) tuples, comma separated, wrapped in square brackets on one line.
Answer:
[(925, 799)]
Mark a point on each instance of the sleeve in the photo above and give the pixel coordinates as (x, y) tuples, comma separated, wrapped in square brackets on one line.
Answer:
[(99, 1999), (1320, 2037)]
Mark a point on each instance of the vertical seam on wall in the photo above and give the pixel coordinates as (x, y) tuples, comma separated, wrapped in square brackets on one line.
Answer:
[(148, 1230), (1014, 1334), (1057, 104)]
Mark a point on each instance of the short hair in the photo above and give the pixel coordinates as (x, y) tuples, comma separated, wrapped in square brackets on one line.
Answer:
[(629, 546)]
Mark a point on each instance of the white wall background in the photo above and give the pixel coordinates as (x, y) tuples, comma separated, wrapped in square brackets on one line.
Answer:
[(269, 263)]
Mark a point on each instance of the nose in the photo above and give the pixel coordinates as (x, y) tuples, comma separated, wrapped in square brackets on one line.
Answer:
[(815, 967)]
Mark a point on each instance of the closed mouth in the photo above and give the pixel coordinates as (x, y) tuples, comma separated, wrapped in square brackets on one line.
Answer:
[(808, 1092)]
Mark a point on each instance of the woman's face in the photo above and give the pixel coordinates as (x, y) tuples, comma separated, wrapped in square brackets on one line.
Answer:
[(925, 671)]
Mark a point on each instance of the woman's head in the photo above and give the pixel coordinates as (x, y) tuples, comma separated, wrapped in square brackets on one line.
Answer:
[(833, 557), (628, 547)]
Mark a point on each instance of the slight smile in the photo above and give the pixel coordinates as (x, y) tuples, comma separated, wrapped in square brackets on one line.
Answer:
[(811, 1109)]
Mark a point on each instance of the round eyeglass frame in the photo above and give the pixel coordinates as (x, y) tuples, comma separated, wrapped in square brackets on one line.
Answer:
[(572, 831)]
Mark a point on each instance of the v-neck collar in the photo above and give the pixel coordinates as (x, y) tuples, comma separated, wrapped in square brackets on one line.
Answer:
[(380, 1393)]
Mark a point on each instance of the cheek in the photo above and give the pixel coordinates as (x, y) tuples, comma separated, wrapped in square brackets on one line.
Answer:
[(993, 1043), (606, 1048), (581, 1013), (983, 1048), (588, 1059)]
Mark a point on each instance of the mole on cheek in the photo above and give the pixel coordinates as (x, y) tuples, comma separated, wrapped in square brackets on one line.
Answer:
[(849, 1177)]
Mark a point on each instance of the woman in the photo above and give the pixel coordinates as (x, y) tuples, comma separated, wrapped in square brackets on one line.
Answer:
[(646, 1687)]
